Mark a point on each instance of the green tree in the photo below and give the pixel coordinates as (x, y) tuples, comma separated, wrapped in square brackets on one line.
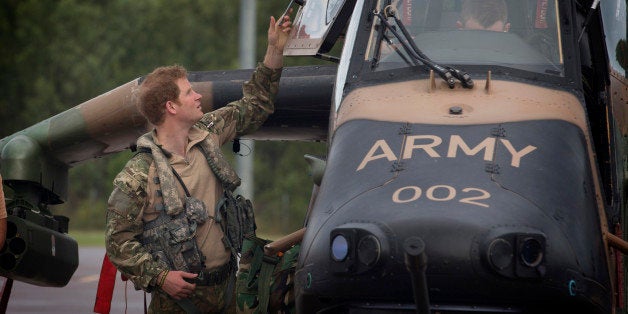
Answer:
[(283, 184)]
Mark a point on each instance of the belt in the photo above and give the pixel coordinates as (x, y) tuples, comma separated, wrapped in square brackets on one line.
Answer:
[(216, 276)]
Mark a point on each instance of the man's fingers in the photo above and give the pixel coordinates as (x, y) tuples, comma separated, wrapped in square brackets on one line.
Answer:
[(188, 275), (272, 22)]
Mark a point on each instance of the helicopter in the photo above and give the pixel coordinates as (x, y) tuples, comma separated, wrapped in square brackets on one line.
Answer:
[(468, 171)]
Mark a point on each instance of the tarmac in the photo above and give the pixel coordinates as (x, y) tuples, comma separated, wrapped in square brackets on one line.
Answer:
[(79, 295)]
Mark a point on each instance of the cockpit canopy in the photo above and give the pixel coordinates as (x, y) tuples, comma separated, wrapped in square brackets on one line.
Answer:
[(522, 34), (528, 37)]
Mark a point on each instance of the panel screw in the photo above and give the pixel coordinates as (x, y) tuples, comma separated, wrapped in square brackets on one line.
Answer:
[(455, 110)]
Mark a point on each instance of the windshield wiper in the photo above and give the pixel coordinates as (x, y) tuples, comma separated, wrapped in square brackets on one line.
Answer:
[(381, 36), (394, 47), (377, 53), (447, 73)]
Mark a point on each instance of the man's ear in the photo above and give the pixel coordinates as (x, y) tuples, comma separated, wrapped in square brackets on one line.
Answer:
[(171, 107), (459, 25), (507, 27)]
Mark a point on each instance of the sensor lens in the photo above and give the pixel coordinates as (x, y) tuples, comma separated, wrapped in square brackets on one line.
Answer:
[(339, 248), (500, 254), (368, 250), (531, 252)]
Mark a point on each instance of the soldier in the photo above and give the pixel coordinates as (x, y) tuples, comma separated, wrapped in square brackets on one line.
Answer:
[(161, 232), (489, 15)]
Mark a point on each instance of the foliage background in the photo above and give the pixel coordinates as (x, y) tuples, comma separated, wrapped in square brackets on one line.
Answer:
[(56, 54)]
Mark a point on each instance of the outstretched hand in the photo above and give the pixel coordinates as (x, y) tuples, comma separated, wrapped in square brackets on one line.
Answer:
[(279, 31)]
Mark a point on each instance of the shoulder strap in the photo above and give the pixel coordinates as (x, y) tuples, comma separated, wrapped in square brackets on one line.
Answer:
[(185, 188), (213, 167), (147, 150), (219, 165)]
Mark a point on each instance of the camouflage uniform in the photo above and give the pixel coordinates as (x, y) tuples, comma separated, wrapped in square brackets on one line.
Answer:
[(142, 190)]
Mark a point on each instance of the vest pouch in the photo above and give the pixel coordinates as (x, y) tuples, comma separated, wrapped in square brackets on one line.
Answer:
[(180, 234), (195, 210), (183, 248), (236, 218), (173, 241)]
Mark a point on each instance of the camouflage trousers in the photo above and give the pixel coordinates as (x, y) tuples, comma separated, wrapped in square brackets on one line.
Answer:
[(207, 299)]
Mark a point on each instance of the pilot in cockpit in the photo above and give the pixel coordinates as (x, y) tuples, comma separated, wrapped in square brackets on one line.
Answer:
[(473, 32), (489, 15)]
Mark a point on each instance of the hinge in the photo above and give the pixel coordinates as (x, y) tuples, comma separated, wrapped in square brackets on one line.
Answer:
[(406, 128), (397, 166), (498, 132), (492, 168)]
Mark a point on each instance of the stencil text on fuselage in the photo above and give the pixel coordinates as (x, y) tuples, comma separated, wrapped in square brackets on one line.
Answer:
[(427, 144)]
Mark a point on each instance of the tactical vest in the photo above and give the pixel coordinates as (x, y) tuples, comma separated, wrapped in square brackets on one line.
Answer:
[(172, 239)]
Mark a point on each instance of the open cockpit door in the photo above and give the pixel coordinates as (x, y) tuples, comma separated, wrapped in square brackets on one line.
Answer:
[(317, 26)]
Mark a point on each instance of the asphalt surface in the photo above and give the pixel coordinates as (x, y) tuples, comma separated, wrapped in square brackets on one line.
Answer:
[(79, 295)]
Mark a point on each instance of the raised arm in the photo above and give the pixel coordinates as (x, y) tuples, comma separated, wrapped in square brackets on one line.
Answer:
[(278, 33)]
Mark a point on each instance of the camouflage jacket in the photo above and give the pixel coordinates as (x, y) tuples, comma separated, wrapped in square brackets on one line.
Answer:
[(124, 225)]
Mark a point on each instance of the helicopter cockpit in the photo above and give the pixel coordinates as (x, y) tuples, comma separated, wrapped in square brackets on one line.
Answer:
[(527, 36)]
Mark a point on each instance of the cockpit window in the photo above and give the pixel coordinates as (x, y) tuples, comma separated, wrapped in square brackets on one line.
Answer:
[(522, 34), (312, 24)]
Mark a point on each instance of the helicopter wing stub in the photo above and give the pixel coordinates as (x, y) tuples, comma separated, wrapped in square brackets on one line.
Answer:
[(111, 122), (301, 107)]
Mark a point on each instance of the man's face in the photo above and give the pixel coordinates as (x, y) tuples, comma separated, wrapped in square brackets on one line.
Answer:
[(189, 102)]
